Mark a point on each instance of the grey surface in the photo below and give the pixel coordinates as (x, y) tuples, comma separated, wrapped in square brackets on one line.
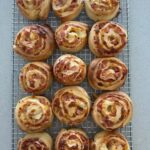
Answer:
[(140, 64), (5, 74)]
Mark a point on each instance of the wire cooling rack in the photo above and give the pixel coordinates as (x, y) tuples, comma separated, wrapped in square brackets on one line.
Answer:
[(89, 126)]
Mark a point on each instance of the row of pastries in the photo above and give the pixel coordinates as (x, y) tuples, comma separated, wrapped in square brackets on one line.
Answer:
[(37, 42), (103, 73), (74, 139), (68, 10), (72, 104)]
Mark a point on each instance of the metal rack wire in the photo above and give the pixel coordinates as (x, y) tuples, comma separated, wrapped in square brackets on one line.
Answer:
[(89, 126)]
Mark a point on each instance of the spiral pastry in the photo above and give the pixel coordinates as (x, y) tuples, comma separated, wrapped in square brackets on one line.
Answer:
[(36, 77), (67, 9), (34, 114), (71, 105), (107, 73), (35, 141), (102, 9), (72, 139), (34, 9), (107, 39), (110, 141), (71, 36), (112, 110), (34, 42), (69, 70)]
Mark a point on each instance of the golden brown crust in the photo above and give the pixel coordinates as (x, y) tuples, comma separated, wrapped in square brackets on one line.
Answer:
[(41, 141), (107, 73), (67, 9), (71, 36), (69, 70), (34, 9), (36, 77), (71, 105), (34, 42), (112, 110), (99, 10), (34, 113), (110, 140), (72, 139), (107, 39)]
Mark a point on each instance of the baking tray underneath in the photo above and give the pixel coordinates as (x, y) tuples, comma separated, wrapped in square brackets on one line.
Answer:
[(89, 126)]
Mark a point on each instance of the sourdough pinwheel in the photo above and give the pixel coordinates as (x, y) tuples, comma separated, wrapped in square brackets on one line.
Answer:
[(34, 113), (107, 39), (72, 139), (110, 141), (71, 36), (112, 110), (71, 105), (35, 141), (34, 9), (36, 77), (107, 73), (102, 9), (67, 9), (69, 70), (34, 42)]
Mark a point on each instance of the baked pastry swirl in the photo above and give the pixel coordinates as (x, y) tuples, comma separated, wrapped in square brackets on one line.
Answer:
[(67, 9), (34, 42), (112, 110), (102, 9), (110, 141), (107, 39), (71, 36), (72, 139), (107, 73), (71, 105), (34, 9), (69, 70), (34, 113), (35, 141), (36, 77)]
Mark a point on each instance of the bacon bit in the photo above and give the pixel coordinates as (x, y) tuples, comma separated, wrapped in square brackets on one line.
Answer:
[(94, 6), (38, 144), (20, 2), (56, 102), (32, 84), (107, 122), (99, 107)]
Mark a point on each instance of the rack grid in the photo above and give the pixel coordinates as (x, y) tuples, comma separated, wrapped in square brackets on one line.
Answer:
[(89, 126)]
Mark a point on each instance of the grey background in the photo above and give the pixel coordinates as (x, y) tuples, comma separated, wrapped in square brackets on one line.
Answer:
[(140, 72)]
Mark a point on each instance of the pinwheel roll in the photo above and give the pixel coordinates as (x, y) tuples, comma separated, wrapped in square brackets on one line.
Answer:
[(67, 9), (71, 105), (69, 70), (34, 9), (34, 113), (102, 9), (34, 42), (72, 139), (110, 141), (112, 110), (107, 73), (107, 39), (71, 36), (36, 77), (35, 141)]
